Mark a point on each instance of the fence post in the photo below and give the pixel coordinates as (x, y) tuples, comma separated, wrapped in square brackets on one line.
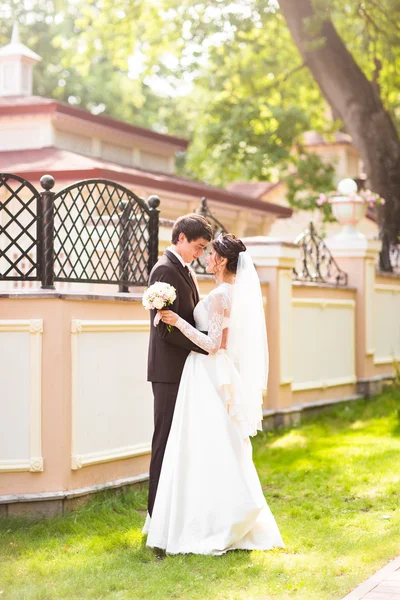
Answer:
[(153, 203), (47, 232), (125, 207)]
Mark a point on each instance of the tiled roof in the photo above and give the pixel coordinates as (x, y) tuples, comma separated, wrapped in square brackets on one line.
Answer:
[(65, 165)]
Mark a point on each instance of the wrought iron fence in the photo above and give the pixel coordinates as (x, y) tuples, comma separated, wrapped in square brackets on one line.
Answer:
[(97, 231), (93, 231), (217, 227), (20, 229), (317, 264)]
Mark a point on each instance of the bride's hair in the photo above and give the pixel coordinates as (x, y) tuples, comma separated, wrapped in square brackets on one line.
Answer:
[(229, 246)]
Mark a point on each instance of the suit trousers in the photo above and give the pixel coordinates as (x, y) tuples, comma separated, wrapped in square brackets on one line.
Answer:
[(164, 405)]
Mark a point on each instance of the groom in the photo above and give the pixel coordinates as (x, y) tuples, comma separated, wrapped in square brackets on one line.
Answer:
[(168, 350)]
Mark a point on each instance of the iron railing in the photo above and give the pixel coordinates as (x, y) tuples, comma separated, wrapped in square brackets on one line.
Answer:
[(217, 227), (20, 229), (97, 231), (317, 264), (93, 231)]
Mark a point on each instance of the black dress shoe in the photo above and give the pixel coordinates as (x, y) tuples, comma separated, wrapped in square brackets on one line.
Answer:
[(159, 553)]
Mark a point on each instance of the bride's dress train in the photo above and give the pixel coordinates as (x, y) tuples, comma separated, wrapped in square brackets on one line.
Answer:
[(209, 498)]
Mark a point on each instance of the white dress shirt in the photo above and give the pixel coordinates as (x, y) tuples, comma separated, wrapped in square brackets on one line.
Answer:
[(187, 265), (172, 249)]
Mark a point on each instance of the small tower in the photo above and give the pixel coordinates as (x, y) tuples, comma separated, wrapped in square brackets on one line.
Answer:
[(16, 64)]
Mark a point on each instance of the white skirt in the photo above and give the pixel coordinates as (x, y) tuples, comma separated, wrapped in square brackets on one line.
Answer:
[(209, 498)]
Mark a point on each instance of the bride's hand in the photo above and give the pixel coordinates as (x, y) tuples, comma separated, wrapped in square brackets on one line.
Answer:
[(168, 317)]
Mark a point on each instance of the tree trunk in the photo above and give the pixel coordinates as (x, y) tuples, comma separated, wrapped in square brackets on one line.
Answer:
[(357, 102)]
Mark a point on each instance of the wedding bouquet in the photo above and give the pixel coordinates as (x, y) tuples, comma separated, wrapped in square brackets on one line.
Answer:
[(158, 296)]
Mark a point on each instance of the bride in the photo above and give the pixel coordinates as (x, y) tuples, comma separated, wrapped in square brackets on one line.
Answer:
[(209, 498)]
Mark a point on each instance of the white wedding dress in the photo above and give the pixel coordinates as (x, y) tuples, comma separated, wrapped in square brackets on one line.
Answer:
[(209, 498)]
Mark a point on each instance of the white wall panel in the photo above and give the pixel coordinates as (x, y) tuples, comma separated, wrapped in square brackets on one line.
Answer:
[(112, 407), (323, 343), (20, 395), (23, 134), (387, 323)]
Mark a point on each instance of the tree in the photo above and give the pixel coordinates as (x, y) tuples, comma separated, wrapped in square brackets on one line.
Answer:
[(257, 97), (240, 116), (355, 99), (308, 178), (68, 74), (229, 75), (238, 130)]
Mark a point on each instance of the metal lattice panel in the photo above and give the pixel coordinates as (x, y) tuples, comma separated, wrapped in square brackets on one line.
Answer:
[(199, 265), (317, 263), (101, 234), (81, 144), (19, 229)]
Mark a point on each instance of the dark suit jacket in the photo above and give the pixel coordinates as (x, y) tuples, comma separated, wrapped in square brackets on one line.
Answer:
[(168, 350)]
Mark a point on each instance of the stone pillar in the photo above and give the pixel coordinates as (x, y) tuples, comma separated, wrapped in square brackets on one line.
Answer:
[(241, 223), (267, 223), (274, 261), (357, 256)]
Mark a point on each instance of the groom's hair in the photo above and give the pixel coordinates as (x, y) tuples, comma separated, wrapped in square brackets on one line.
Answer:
[(193, 226)]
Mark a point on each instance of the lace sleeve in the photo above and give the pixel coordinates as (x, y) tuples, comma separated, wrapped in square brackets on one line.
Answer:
[(211, 342)]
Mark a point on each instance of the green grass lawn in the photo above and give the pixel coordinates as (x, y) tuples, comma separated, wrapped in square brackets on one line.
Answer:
[(333, 485)]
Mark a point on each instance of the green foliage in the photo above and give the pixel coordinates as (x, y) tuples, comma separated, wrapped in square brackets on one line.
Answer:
[(96, 81), (332, 484), (243, 52), (309, 177), (227, 75), (218, 78), (252, 116), (248, 92)]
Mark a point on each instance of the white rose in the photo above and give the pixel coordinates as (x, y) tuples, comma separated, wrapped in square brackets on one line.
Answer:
[(158, 303)]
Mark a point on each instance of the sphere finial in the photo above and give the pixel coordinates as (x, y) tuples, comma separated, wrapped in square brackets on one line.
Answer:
[(347, 186), (153, 202), (47, 182)]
